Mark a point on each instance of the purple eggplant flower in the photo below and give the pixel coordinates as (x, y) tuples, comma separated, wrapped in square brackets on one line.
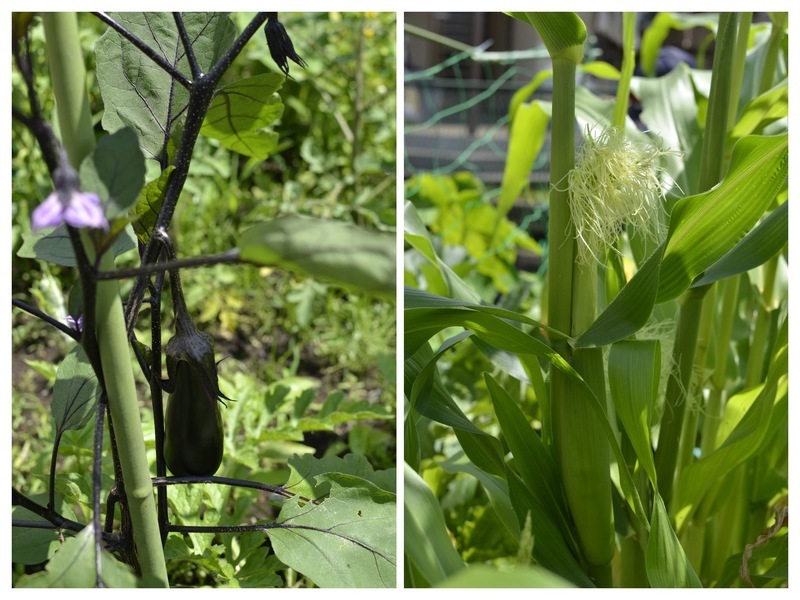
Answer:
[(77, 325), (70, 206)]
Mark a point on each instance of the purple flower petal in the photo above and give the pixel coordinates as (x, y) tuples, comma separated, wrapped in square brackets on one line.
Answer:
[(77, 325), (49, 213), (85, 210)]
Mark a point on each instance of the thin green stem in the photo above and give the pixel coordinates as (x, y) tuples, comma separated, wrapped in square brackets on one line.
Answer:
[(117, 374), (730, 294), (779, 22), (68, 76), (711, 164), (561, 230), (711, 159), (626, 72), (758, 342), (675, 399), (740, 54), (695, 397), (124, 405)]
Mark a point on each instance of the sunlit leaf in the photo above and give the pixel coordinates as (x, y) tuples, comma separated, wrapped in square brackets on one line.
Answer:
[(331, 250), (348, 540), (149, 205), (426, 539), (137, 92), (73, 566), (241, 111)]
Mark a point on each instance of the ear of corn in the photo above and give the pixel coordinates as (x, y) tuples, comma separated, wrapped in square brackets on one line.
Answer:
[(582, 454)]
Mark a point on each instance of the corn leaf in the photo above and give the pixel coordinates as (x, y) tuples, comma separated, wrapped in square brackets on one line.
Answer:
[(429, 398), (757, 247), (482, 576), (554, 547), (427, 541), (666, 562), (528, 130), (659, 29), (416, 235), (705, 227), (763, 110), (763, 416), (496, 489), (421, 324), (630, 309), (412, 451), (557, 556), (634, 368), (533, 461)]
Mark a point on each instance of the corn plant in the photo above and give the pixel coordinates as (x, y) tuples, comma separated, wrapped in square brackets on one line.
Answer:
[(161, 81), (631, 429)]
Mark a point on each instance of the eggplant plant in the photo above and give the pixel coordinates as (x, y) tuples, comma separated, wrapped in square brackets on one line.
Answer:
[(630, 428), (162, 80)]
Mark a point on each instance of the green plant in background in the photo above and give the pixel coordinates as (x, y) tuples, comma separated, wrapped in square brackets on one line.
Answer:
[(172, 98), (633, 431)]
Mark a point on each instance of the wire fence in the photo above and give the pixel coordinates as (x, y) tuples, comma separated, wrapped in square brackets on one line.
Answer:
[(456, 120)]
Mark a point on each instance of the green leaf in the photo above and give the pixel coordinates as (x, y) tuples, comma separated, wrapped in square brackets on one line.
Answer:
[(523, 94), (332, 250), (422, 324), (757, 247), (554, 547), (528, 131), (659, 29), (55, 245), (138, 93), (495, 487), (666, 562), (346, 541), (429, 398), (630, 309), (744, 441), (427, 542), (482, 576), (149, 205), (308, 474), (75, 392), (705, 227), (533, 461), (73, 566), (601, 69), (416, 235), (634, 369), (115, 172), (31, 546), (763, 110), (240, 112)]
